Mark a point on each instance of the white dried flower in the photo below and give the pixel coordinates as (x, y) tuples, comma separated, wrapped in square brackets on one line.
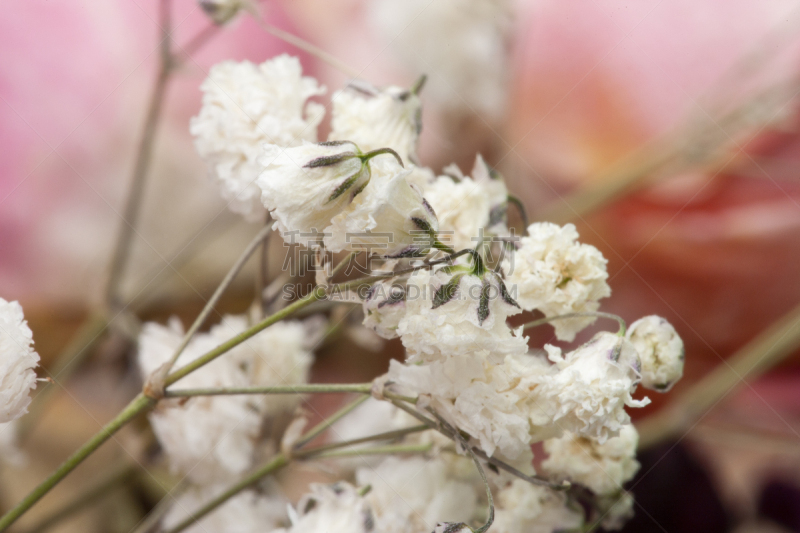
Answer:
[(412, 495), (384, 307), (552, 272), (475, 396), (329, 508), (17, 362), (602, 468), (212, 438), (378, 118), (389, 218), (661, 351), (245, 106), (247, 512), (522, 507), (591, 389), (306, 186), (462, 44), (457, 314), (468, 208)]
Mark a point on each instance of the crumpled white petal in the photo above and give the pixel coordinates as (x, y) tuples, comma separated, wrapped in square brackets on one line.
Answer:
[(554, 273), (661, 351), (244, 106)]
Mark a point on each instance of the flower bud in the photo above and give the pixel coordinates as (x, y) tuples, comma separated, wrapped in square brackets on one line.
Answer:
[(660, 350), (221, 11), (384, 307)]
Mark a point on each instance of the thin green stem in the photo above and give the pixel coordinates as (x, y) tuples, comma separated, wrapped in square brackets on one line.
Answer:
[(138, 405), (328, 422), (596, 314), (226, 282), (380, 151), (443, 247), (305, 388), (96, 492), (317, 294), (277, 462), (388, 435), (376, 450)]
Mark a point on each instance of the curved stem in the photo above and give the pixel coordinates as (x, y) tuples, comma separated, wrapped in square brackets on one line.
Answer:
[(363, 388), (516, 202), (380, 151), (138, 405), (596, 314)]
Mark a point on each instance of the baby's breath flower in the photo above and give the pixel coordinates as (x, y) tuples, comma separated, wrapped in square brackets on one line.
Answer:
[(661, 351), (384, 307), (410, 495), (457, 314), (554, 273), (17, 362), (469, 207), (245, 106), (213, 438), (329, 508), (306, 186), (389, 218), (247, 512), (602, 468), (591, 389), (376, 118), (522, 507)]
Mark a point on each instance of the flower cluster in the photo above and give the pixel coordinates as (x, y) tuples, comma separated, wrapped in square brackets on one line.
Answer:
[(457, 274)]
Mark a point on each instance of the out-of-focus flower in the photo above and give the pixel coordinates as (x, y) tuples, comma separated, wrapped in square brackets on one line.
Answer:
[(10, 454), (378, 118), (603, 468), (457, 314), (213, 438), (555, 274), (413, 494), (522, 507), (326, 508), (660, 350), (469, 208), (17, 362), (389, 218), (247, 512), (461, 45), (245, 106)]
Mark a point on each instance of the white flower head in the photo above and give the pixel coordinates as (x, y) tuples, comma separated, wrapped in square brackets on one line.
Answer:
[(378, 118), (602, 468), (247, 512), (305, 187), (522, 507), (468, 208), (213, 438), (328, 508), (411, 495), (389, 218), (17, 362), (661, 351), (244, 106), (456, 314), (462, 44), (555, 274), (591, 389), (384, 307)]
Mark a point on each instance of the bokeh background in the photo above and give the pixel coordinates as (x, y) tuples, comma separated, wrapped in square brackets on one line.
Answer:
[(668, 132)]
